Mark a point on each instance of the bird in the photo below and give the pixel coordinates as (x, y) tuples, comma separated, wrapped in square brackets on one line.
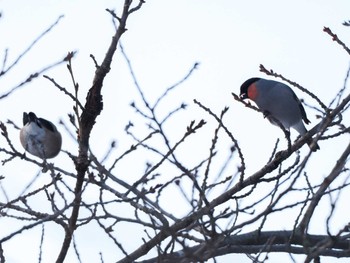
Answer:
[(40, 137), (278, 102)]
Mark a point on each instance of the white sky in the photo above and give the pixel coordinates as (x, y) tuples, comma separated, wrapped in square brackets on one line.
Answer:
[(229, 39)]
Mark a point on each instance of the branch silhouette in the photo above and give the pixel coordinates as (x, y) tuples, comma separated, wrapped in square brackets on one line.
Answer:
[(188, 190)]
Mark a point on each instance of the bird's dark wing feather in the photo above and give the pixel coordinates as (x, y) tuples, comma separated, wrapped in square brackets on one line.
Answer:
[(48, 125), (302, 110)]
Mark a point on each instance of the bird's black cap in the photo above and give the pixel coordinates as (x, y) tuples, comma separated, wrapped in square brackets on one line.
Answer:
[(245, 85), (31, 117)]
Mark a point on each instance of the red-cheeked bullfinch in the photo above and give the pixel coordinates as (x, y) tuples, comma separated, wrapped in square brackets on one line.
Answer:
[(40, 137), (278, 101)]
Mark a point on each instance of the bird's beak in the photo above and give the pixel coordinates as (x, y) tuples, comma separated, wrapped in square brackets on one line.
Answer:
[(243, 96)]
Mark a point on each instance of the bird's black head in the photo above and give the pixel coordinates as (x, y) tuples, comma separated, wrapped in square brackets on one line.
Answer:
[(29, 117), (42, 123), (245, 86)]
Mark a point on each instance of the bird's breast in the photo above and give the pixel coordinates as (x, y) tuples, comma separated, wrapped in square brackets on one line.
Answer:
[(252, 92)]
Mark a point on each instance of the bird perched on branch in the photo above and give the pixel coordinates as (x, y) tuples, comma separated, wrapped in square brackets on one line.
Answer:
[(40, 137), (278, 102)]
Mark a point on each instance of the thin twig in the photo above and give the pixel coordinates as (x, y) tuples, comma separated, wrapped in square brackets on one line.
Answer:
[(31, 46), (272, 73), (336, 39)]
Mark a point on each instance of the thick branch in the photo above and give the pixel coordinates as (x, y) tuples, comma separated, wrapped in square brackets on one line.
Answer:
[(228, 195), (255, 242), (92, 109), (338, 168)]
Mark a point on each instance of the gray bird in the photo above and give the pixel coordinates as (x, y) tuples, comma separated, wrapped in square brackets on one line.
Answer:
[(40, 137), (278, 101)]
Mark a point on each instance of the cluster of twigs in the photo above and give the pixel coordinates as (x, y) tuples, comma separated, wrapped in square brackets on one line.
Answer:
[(224, 209)]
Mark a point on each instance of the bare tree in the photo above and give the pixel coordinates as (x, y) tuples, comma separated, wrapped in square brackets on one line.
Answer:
[(223, 209)]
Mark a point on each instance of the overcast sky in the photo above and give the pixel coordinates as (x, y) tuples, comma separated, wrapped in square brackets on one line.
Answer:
[(230, 39)]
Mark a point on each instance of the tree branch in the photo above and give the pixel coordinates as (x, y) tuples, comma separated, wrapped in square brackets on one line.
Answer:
[(92, 109), (269, 241)]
